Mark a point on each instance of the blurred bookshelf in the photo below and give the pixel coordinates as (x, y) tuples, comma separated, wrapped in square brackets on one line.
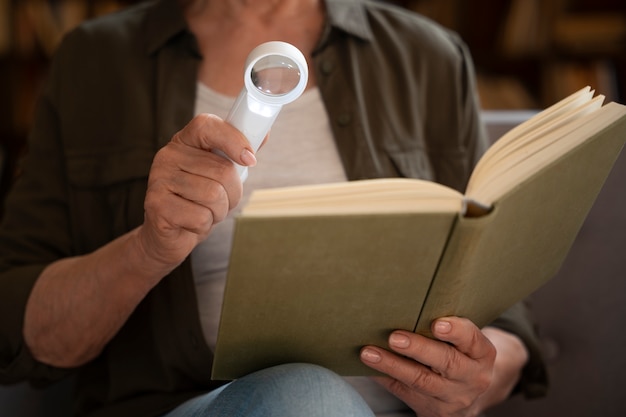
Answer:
[(30, 31), (531, 53), (528, 53)]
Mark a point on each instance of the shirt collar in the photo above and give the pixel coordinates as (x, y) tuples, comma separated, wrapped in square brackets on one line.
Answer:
[(165, 20), (349, 16)]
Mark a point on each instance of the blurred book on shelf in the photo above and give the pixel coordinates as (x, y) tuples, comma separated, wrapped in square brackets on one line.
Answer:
[(525, 31), (30, 31), (503, 93), (5, 26), (593, 33), (560, 76), (531, 52)]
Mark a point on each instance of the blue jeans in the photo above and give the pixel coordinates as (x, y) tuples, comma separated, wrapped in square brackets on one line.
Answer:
[(285, 390)]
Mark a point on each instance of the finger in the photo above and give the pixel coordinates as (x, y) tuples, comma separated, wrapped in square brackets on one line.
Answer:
[(441, 358), (171, 211), (202, 177), (404, 370), (465, 336), (209, 132), (434, 354), (174, 227), (206, 193)]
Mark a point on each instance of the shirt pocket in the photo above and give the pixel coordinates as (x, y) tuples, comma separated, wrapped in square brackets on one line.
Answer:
[(412, 162), (106, 193), (450, 167)]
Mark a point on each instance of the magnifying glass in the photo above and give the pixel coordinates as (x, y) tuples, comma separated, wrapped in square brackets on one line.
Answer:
[(276, 74)]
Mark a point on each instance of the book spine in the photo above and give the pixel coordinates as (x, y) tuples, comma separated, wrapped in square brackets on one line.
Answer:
[(448, 286)]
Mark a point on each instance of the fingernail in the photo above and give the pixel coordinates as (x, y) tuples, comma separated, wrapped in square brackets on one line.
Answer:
[(370, 355), (443, 327), (399, 340), (248, 158)]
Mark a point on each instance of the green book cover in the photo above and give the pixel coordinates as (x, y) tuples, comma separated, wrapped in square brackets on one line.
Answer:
[(317, 272)]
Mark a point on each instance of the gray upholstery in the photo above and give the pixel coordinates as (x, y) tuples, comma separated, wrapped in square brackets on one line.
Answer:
[(23, 401), (580, 315)]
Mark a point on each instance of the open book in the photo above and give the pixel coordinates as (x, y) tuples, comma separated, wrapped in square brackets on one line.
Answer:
[(317, 272)]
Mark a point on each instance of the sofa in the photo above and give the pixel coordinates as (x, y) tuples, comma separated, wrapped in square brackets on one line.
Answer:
[(580, 314)]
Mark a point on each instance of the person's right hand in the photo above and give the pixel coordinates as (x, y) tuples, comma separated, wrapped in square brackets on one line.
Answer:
[(191, 188)]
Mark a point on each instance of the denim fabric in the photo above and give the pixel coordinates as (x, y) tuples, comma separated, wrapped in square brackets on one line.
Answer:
[(282, 391)]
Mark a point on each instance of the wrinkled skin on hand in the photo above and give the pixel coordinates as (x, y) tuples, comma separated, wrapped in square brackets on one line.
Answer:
[(455, 375), (191, 188)]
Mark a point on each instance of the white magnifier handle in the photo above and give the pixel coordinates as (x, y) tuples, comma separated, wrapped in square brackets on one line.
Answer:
[(276, 73)]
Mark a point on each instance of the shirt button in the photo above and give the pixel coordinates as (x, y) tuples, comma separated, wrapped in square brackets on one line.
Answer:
[(344, 119), (326, 67)]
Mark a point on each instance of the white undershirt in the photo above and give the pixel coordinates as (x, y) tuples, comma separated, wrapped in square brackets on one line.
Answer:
[(300, 150)]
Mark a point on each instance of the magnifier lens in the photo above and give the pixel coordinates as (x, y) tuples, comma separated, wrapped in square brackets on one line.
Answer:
[(275, 75)]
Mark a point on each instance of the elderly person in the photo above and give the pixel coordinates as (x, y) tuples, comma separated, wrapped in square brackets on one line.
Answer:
[(115, 241)]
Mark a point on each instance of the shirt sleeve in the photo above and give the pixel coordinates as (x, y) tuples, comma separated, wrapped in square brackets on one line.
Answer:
[(34, 233), (517, 320)]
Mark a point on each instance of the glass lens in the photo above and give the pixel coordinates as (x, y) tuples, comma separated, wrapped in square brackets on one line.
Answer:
[(275, 75)]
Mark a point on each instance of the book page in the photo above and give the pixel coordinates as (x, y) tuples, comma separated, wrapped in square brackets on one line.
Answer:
[(547, 151), (389, 195), (526, 128), (518, 152), (541, 131)]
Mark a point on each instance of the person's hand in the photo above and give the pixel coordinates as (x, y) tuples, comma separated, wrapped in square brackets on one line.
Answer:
[(191, 188), (456, 375)]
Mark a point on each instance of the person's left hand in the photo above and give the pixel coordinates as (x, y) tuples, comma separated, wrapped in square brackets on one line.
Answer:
[(444, 377)]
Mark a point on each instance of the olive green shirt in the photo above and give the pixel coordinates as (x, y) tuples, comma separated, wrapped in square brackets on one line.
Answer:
[(399, 91)]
